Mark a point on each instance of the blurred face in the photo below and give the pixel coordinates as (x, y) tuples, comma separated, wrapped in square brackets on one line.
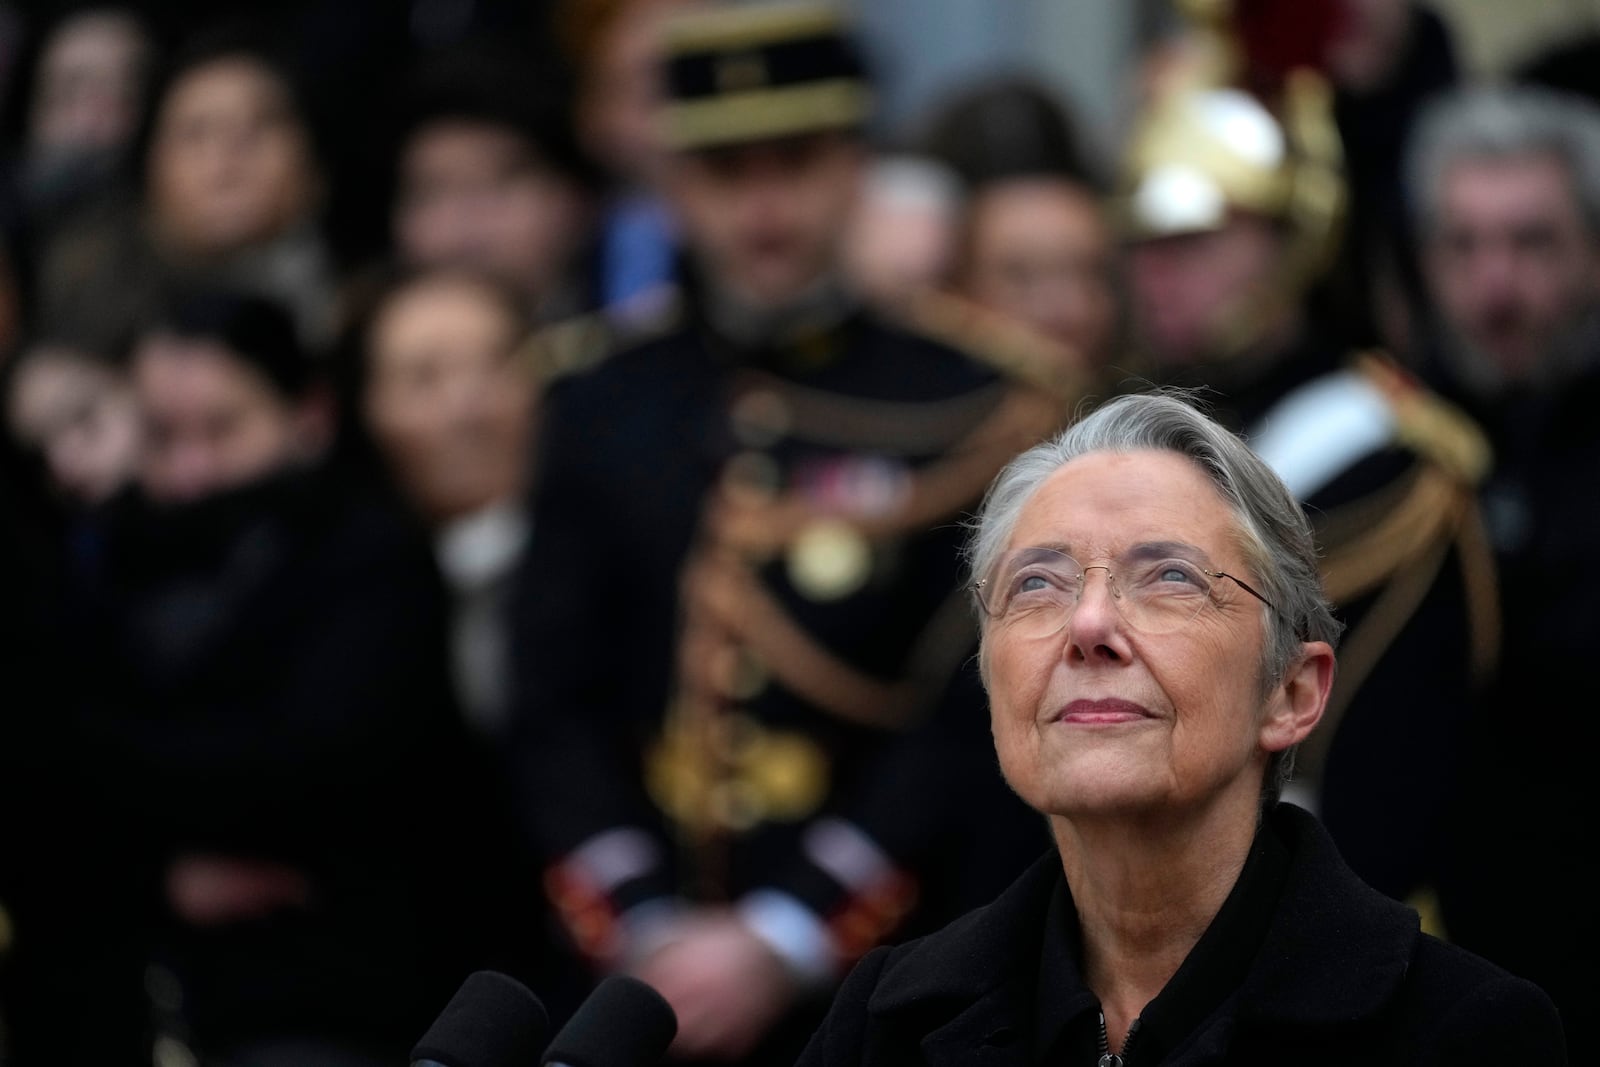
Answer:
[(1186, 289), (622, 93), (450, 406), (1039, 250), (231, 163), (1369, 42), (767, 219), (212, 422), (898, 245), (473, 194), (90, 85), (80, 415), (1100, 719), (1511, 264)]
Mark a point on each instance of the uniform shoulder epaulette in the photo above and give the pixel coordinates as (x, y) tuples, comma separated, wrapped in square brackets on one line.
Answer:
[(1391, 549), (1012, 347), (1427, 422), (568, 347), (581, 342)]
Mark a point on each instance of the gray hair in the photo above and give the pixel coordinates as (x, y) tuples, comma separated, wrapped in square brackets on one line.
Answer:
[(1504, 122), (1274, 533)]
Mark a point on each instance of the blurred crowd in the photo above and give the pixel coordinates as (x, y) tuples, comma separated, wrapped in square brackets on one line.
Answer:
[(402, 418)]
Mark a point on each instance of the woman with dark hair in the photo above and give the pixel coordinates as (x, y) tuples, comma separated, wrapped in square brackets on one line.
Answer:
[(263, 721), (1004, 125), (488, 174), (228, 187), (1036, 242), (441, 397)]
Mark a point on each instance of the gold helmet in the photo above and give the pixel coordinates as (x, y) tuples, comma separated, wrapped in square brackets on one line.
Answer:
[(1213, 138)]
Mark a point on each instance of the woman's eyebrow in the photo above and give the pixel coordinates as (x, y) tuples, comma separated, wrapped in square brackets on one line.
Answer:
[(1165, 550), (1138, 552), (1027, 553)]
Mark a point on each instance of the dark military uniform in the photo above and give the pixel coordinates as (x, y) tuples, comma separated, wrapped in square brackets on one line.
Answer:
[(744, 646), (1516, 886), (1388, 472), (745, 671)]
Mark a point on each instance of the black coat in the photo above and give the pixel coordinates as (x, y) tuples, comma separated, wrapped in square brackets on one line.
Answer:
[(1523, 802), (1344, 976), (262, 675)]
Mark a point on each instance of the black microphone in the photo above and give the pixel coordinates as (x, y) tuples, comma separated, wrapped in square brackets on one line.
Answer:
[(492, 1021), (623, 1023)]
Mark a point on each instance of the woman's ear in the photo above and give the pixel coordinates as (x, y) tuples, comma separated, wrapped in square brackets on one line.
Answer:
[(1297, 704)]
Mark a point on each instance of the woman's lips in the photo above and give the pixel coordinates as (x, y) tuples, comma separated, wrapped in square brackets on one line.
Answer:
[(1101, 712)]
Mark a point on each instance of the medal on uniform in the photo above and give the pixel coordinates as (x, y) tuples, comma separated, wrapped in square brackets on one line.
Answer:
[(829, 560)]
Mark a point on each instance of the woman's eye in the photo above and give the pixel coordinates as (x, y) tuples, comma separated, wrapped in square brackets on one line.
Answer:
[(1046, 581), (1025, 586), (1174, 573)]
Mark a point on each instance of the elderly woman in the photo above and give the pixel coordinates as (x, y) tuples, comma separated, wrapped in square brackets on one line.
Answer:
[(1155, 642)]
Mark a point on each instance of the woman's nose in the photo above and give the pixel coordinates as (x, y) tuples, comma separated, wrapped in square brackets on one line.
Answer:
[(1095, 617)]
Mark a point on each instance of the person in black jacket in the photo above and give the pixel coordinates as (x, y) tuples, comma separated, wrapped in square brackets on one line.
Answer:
[(1506, 183), (1156, 644), (263, 717), (743, 712)]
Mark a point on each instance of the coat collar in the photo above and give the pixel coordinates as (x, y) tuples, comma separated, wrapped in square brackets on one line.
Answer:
[(1335, 952), (968, 985), (977, 952), (1337, 949)]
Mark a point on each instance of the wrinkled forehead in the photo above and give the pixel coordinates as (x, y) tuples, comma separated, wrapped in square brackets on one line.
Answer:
[(1100, 504)]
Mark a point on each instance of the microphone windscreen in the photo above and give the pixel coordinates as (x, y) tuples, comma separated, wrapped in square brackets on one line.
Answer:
[(623, 1023), (492, 1021)]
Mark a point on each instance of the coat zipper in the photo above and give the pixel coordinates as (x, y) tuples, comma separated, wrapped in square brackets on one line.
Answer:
[(1109, 1058)]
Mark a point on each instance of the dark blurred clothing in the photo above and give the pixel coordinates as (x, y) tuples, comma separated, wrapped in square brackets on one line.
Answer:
[(1569, 64), (845, 764), (1516, 886), (1377, 256), (61, 943), (263, 680)]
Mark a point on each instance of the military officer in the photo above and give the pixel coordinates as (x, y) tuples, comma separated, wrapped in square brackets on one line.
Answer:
[(1506, 199), (750, 739), (1232, 200)]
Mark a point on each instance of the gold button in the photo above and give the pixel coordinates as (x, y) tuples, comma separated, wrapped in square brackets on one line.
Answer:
[(790, 772), (829, 560)]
